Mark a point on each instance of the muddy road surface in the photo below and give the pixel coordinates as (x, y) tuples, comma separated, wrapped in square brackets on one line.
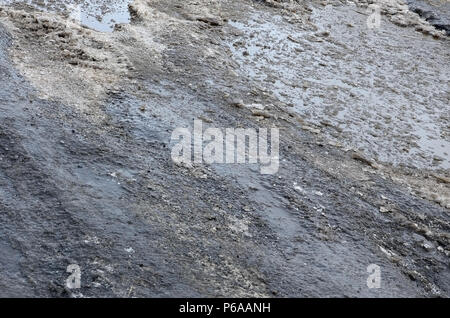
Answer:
[(87, 176)]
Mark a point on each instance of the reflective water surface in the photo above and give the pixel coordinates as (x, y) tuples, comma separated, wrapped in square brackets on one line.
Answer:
[(100, 15)]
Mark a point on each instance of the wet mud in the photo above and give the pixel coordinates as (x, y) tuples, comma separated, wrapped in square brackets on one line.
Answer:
[(86, 175)]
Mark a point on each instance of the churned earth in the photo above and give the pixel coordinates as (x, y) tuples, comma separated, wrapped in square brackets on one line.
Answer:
[(87, 178)]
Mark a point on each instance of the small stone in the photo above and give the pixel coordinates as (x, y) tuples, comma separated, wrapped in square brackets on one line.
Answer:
[(427, 246), (129, 250), (323, 33), (384, 209), (239, 103)]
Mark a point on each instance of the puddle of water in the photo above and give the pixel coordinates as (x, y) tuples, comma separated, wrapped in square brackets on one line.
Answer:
[(100, 15), (385, 91)]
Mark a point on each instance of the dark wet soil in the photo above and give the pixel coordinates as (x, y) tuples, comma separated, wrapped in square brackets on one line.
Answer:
[(435, 12), (86, 175)]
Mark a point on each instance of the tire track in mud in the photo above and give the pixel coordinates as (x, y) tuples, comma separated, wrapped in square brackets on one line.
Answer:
[(87, 210)]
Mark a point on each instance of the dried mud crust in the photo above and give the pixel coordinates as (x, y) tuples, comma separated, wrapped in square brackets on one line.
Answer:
[(102, 191)]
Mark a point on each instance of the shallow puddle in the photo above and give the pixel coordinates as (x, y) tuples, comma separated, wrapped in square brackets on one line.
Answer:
[(100, 15)]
